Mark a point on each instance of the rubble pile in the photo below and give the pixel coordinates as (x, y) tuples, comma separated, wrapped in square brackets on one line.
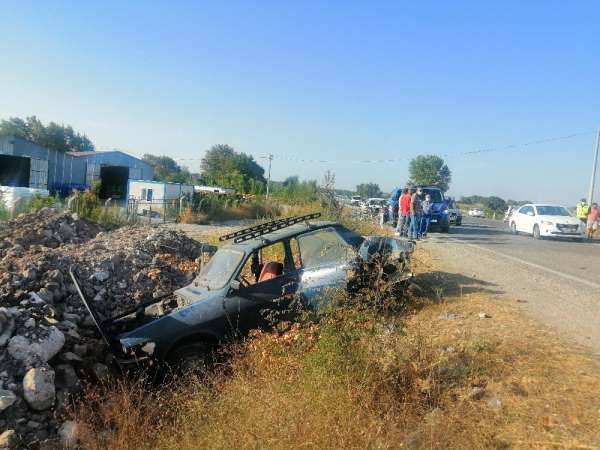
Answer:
[(48, 343)]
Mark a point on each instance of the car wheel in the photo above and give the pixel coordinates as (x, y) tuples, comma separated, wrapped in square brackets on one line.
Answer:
[(190, 358), (459, 222), (536, 232)]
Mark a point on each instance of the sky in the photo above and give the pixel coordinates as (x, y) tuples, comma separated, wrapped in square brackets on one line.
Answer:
[(323, 85)]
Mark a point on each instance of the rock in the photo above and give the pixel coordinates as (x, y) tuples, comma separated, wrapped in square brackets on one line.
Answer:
[(29, 323), (7, 325), (477, 393), (101, 276), (65, 231), (100, 371), (483, 315), (22, 349), (74, 318), (80, 350), (66, 378), (7, 398), (46, 295), (450, 349), (8, 439), (35, 299), (38, 388), (70, 357), (68, 434)]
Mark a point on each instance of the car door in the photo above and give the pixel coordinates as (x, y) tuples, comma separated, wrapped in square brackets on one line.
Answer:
[(263, 295), (525, 219), (325, 259)]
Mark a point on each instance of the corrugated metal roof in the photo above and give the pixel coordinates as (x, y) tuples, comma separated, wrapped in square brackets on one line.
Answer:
[(83, 153)]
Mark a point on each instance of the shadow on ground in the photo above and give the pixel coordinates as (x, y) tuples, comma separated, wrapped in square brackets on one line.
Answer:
[(442, 284)]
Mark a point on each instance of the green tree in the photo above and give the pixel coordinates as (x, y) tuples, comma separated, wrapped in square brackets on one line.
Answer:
[(430, 170), (368, 190), (53, 136), (225, 167), (166, 169), (495, 203)]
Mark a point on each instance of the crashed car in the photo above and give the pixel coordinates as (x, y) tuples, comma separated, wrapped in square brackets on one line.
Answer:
[(260, 270)]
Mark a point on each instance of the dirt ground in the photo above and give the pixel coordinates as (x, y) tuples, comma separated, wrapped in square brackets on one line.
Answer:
[(540, 392)]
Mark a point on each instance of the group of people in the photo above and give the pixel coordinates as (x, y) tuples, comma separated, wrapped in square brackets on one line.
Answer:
[(413, 213), (589, 215)]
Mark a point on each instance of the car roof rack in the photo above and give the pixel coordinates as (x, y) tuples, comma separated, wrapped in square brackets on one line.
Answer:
[(267, 227)]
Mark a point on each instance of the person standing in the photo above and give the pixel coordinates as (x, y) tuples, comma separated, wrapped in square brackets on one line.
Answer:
[(415, 213), (592, 220), (404, 210), (426, 215), (582, 211)]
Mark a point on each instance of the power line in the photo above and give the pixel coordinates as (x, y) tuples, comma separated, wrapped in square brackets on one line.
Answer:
[(406, 158)]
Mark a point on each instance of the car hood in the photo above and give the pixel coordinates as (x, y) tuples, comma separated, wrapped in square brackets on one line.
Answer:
[(566, 220), (438, 207)]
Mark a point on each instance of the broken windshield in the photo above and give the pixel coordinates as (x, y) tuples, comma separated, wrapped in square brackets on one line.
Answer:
[(219, 269)]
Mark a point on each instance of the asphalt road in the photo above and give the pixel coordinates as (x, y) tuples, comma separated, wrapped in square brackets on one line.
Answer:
[(556, 281)]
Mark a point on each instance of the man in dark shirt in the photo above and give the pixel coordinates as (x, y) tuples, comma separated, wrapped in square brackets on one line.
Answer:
[(415, 214)]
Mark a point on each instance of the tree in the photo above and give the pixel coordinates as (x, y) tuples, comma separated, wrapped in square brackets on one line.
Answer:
[(166, 169), (225, 167), (430, 170), (495, 203), (368, 190), (53, 136)]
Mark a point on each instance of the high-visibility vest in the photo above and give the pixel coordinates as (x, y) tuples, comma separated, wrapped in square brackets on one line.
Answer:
[(582, 210)]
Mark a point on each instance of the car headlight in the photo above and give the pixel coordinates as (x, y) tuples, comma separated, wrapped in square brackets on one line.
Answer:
[(445, 211), (546, 222)]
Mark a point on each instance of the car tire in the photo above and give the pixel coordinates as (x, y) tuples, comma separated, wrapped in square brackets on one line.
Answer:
[(190, 358), (513, 228), (459, 222), (536, 232), (445, 228)]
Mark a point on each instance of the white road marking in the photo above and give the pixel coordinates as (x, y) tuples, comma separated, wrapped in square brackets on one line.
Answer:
[(536, 266)]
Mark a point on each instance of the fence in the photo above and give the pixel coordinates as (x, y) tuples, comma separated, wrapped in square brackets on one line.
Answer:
[(154, 211)]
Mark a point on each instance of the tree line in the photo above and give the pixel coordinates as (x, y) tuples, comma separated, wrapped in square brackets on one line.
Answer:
[(53, 136)]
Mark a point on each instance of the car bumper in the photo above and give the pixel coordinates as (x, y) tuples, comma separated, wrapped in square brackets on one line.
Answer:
[(553, 232)]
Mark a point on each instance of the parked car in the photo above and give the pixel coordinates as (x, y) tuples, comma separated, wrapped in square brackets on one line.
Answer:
[(475, 212), (440, 214), (373, 204), (540, 220), (247, 283), (356, 200)]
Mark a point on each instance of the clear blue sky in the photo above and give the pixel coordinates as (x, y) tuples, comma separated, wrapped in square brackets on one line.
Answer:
[(331, 80)]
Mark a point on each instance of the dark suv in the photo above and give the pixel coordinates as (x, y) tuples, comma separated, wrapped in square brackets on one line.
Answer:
[(250, 279)]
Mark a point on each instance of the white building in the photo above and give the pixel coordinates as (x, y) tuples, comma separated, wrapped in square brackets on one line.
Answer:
[(156, 196)]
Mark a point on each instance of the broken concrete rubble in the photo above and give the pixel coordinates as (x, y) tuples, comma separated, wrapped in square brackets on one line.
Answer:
[(49, 346)]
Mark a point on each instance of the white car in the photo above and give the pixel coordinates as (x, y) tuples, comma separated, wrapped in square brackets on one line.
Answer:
[(476, 213), (373, 204), (541, 220)]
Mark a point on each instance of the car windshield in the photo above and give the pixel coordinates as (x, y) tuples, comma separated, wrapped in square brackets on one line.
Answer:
[(552, 211), (435, 194), (219, 270)]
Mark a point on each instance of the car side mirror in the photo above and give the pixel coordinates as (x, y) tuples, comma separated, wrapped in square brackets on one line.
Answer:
[(235, 285)]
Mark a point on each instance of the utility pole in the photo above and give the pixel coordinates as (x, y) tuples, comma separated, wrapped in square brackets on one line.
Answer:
[(270, 158), (594, 164)]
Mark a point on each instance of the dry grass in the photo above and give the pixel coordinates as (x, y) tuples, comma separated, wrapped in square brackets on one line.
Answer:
[(360, 380)]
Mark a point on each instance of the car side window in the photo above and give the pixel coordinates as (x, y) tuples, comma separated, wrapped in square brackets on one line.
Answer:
[(296, 257), (322, 248), (263, 265)]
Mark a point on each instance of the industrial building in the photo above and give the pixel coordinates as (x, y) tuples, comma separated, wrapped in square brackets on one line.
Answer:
[(26, 164)]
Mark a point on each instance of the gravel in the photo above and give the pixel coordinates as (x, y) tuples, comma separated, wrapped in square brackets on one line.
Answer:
[(49, 345)]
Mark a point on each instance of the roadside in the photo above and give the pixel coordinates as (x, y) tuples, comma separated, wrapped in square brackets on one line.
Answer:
[(552, 282), (462, 368)]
